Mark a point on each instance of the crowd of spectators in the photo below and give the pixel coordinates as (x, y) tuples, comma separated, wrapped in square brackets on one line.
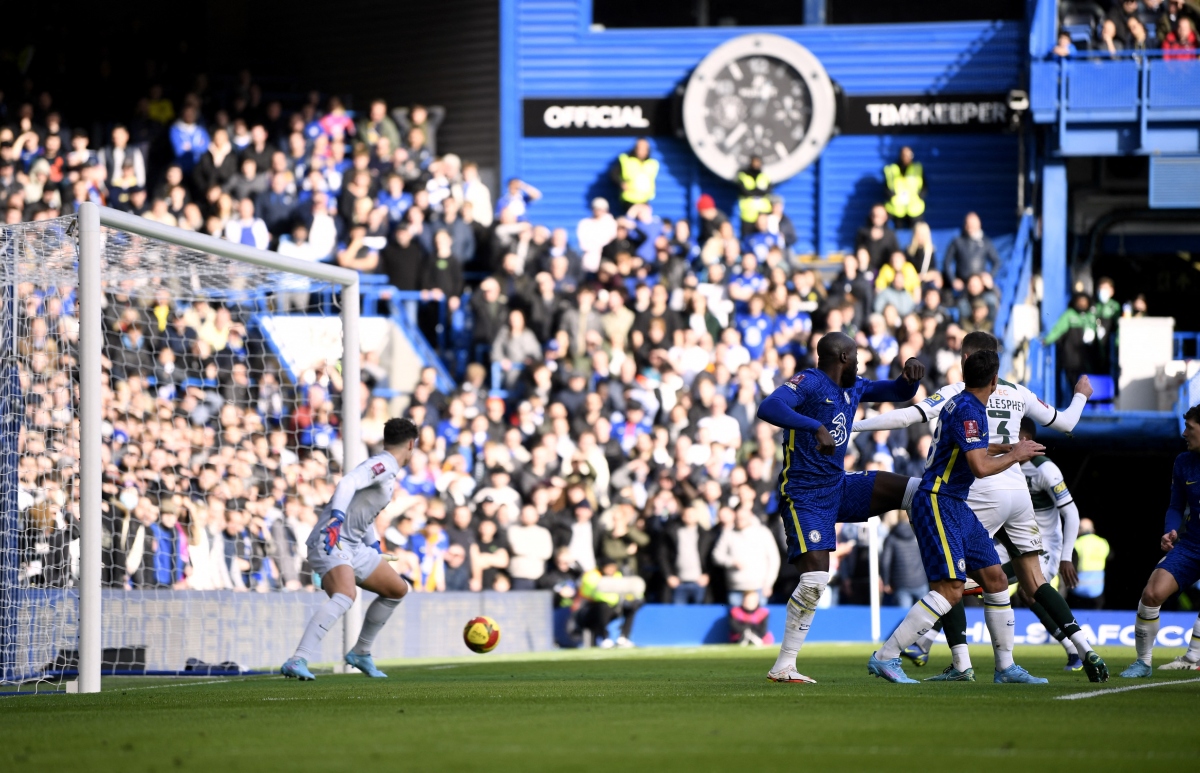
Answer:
[(1135, 26), (622, 440)]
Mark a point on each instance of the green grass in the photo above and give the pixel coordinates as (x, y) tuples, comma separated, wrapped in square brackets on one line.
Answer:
[(658, 709)]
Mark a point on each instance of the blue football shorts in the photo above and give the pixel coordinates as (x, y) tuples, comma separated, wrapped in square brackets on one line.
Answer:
[(1183, 562), (952, 540), (810, 515)]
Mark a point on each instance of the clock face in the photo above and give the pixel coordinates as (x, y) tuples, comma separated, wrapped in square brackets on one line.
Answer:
[(759, 95), (758, 106)]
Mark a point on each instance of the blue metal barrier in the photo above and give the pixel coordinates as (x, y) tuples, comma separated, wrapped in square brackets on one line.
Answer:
[(1142, 89), (1182, 350), (1012, 281)]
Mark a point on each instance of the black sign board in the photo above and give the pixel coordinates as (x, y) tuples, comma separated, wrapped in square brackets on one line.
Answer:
[(603, 117), (946, 114)]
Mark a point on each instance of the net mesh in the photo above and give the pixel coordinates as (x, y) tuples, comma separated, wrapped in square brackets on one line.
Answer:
[(220, 441)]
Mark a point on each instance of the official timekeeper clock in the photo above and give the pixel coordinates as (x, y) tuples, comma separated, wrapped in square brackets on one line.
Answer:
[(759, 95)]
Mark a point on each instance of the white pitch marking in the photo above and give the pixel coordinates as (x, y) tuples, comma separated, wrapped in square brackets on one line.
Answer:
[(185, 684), (735, 135), (1081, 695)]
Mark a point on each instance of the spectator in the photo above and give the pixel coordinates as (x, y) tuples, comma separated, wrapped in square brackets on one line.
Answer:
[(1119, 14), (189, 139), (921, 250), (684, 555), (905, 182), (1092, 553), (635, 174), (462, 236), (748, 622), (114, 156), (476, 195), (900, 567), (1182, 41), (357, 254), (378, 124), (1170, 14), (424, 119), (875, 241), (749, 555), (1108, 41), (517, 200), (1064, 47), (277, 205), (971, 253), (532, 546), (1078, 331), (515, 347), (248, 228), (711, 218), (608, 595), (594, 232)]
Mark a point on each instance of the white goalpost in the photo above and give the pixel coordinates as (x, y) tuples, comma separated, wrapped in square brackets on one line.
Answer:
[(113, 266)]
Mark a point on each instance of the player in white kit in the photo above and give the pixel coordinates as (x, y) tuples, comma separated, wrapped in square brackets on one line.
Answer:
[(1002, 504), (344, 549), (1058, 520)]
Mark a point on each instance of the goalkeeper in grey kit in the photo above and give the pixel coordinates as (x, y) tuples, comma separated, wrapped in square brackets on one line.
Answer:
[(344, 549)]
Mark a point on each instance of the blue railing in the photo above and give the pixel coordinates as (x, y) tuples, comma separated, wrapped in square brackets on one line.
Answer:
[(1187, 345), (1141, 88), (1012, 282)]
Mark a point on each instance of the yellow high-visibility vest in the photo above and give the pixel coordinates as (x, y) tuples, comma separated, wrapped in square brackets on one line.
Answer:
[(906, 190), (640, 175), (1093, 551), (753, 201)]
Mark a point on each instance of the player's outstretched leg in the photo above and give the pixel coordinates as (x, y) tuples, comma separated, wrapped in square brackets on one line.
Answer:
[(296, 667), (1190, 660), (998, 616), (1074, 663), (1051, 602), (800, 610), (885, 662), (954, 623), (1160, 587), (391, 588)]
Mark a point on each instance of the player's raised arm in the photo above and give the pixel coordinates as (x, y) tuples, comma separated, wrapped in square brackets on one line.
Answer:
[(1064, 420), (902, 389), (985, 465)]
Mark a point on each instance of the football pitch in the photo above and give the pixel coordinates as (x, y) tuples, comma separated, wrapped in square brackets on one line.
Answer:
[(705, 708)]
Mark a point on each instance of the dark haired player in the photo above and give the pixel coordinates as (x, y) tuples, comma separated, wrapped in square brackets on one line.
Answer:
[(344, 549), (954, 544), (1003, 505), (816, 409), (1180, 568)]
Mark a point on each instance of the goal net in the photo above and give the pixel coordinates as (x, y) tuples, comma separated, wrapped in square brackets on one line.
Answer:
[(173, 412)]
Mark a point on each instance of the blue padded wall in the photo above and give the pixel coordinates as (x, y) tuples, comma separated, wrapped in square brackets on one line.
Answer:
[(549, 50)]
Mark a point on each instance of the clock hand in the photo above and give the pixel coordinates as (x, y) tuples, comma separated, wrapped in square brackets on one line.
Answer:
[(735, 135)]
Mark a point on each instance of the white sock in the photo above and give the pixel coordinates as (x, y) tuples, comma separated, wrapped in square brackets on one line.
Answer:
[(329, 613), (1193, 653), (1068, 646), (1001, 624), (927, 640), (1145, 632), (919, 619), (1082, 645), (800, 610), (962, 657), (909, 492), (377, 614)]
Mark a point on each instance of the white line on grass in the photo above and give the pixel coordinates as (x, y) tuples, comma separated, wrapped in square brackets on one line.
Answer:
[(1081, 695), (183, 684)]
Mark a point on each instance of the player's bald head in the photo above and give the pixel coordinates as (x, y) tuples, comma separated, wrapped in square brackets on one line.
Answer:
[(832, 346)]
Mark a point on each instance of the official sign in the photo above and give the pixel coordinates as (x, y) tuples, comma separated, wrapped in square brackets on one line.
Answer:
[(596, 117), (955, 113)]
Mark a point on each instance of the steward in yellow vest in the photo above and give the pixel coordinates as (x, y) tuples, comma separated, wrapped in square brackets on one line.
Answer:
[(636, 173), (905, 182), (753, 189)]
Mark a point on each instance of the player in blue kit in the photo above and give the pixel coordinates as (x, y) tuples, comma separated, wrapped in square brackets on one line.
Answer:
[(816, 409), (1180, 568), (954, 544)]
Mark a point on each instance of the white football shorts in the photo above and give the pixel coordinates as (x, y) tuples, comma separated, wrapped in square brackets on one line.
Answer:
[(1012, 511), (361, 558)]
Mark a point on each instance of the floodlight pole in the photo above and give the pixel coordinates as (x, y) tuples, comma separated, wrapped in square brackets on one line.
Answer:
[(352, 445), (91, 340)]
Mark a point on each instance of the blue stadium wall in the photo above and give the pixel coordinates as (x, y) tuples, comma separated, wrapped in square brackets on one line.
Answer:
[(548, 49)]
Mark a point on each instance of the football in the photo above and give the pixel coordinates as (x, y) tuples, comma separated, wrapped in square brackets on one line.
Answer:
[(481, 634)]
